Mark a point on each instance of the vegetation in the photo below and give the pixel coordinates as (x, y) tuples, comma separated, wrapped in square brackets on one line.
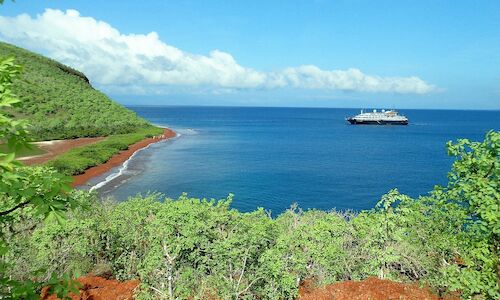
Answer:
[(189, 247), (77, 160), (61, 103), (475, 185), (33, 194)]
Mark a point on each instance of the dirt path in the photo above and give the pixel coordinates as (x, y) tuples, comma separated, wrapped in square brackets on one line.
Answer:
[(55, 148), (119, 158)]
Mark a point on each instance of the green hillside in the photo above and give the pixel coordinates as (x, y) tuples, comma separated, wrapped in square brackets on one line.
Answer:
[(60, 103)]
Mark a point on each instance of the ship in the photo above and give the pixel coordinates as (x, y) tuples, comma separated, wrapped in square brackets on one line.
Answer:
[(383, 117)]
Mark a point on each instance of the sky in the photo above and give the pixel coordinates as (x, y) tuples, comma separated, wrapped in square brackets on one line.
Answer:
[(351, 53)]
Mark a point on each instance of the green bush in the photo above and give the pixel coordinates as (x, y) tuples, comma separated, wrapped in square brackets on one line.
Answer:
[(195, 248)]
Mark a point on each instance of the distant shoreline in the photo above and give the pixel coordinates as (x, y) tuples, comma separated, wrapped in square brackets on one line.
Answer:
[(118, 159)]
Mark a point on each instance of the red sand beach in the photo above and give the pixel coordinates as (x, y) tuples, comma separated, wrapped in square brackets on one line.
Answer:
[(119, 158)]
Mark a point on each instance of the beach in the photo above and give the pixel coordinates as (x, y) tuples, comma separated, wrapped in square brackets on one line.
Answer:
[(118, 159)]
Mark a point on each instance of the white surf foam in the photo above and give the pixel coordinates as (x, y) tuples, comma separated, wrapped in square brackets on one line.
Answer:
[(124, 166)]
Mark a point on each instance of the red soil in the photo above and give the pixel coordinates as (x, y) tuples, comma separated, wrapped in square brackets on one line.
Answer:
[(98, 288), (55, 148), (120, 158), (371, 288)]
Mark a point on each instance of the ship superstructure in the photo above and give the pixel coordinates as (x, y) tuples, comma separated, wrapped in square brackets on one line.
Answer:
[(383, 117)]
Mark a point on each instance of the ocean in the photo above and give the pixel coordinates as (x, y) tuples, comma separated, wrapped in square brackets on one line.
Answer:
[(274, 157)]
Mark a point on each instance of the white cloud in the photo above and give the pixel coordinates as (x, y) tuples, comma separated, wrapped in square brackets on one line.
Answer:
[(142, 62)]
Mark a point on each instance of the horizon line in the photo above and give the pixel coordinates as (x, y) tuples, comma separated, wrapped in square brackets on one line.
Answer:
[(303, 107)]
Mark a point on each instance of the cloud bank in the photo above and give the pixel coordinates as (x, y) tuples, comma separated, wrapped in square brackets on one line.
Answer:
[(143, 63)]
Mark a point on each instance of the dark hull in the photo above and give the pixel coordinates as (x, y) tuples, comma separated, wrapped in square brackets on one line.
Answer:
[(356, 122)]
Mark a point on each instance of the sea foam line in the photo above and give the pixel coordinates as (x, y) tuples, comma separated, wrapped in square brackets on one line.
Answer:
[(124, 166)]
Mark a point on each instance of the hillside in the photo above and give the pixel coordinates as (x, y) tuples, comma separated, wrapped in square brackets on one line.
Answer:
[(60, 102)]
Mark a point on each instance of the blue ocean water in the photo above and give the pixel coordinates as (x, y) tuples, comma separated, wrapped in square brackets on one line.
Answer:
[(273, 157)]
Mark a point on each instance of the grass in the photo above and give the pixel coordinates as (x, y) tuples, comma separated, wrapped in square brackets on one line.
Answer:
[(77, 160)]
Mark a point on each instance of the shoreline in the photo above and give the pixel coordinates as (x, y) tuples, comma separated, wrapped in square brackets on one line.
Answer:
[(119, 158)]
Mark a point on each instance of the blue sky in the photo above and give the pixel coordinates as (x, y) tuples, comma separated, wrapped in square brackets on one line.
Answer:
[(409, 54)]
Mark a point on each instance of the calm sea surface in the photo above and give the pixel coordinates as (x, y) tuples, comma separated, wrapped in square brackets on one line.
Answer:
[(273, 157)]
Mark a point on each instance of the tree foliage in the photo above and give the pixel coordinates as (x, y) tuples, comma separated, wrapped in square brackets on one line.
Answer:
[(26, 194), (475, 185)]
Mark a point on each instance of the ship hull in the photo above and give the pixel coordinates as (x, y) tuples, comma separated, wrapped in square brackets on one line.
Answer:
[(373, 122)]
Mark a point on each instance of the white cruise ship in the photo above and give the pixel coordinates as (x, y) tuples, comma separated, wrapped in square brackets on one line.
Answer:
[(383, 117)]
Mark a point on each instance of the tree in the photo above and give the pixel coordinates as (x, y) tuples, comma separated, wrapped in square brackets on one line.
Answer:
[(475, 184), (36, 192)]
